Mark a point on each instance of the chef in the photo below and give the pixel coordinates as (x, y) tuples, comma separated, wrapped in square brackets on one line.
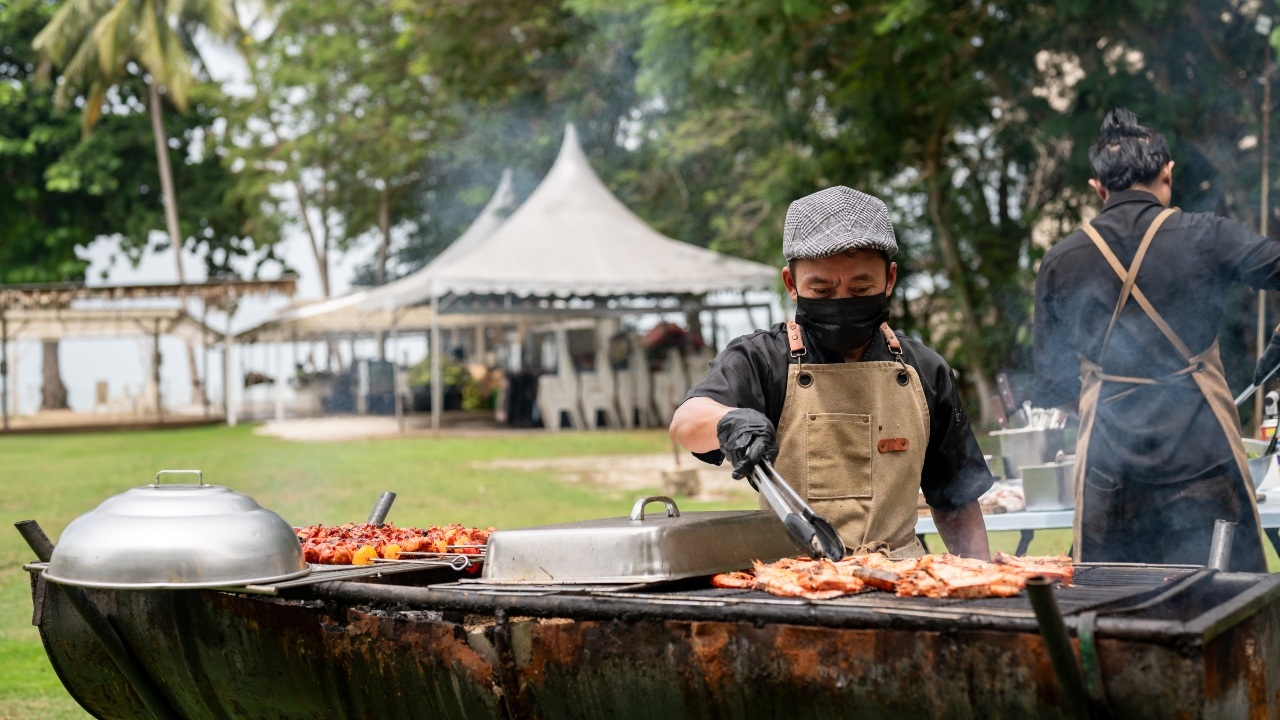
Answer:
[(1126, 323), (859, 418)]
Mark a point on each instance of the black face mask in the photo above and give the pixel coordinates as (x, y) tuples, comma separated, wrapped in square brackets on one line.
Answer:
[(845, 324)]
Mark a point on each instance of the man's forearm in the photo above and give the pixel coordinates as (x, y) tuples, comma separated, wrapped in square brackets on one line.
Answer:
[(693, 426), (964, 531)]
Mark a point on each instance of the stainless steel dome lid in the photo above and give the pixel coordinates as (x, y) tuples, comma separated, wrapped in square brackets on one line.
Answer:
[(176, 536)]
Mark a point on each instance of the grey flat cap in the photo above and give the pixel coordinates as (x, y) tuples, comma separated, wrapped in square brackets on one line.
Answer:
[(836, 220)]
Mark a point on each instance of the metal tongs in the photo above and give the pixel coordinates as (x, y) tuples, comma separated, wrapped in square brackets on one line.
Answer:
[(808, 530)]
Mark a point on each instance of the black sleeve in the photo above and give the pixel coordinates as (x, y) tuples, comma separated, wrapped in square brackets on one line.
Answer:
[(1247, 257), (1057, 379), (955, 474), (736, 379)]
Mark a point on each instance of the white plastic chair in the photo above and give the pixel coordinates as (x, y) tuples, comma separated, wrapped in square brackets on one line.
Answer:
[(641, 381), (670, 386), (596, 391), (554, 399)]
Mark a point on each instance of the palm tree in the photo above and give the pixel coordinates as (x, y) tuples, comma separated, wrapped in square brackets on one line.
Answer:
[(95, 43)]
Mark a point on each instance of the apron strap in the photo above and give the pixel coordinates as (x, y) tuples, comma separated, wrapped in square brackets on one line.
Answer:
[(891, 338), (1129, 288), (795, 339)]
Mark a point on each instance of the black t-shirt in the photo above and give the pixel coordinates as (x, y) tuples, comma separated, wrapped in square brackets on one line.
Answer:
[(751, 372), (1152, 433)]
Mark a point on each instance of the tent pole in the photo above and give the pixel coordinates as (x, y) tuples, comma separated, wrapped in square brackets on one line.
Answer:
[(4, 369), (228, 356), (155, 370), (437, 387), (204, 341)]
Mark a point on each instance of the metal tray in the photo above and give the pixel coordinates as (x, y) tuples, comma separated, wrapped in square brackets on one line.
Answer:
[(639, 548)]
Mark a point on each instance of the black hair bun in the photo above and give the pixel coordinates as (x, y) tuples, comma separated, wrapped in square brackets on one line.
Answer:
[(1121, 123)]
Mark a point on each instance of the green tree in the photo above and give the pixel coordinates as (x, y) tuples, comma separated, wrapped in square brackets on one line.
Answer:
[(971, 119), (508, 77), (342, 121), (99, 45)]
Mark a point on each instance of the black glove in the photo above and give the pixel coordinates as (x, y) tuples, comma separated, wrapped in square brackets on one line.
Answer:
[(1270, 359), (746, 437)]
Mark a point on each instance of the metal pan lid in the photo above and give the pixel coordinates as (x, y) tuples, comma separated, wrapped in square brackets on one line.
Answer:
[(176, 536)]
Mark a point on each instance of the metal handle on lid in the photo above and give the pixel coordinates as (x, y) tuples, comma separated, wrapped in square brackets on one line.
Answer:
[(179, 472), (637, 510)]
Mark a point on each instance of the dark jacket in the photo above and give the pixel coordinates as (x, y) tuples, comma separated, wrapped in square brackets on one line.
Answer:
[(1167, 432)]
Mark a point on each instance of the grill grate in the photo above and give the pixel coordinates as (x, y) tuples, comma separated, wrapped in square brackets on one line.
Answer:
[(1094, 586)]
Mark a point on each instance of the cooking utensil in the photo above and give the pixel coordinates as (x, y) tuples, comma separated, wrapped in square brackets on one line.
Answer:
[(176, 536), (808, 530), (644, 547), (378, 516), (1007, 400), (1253, 387)]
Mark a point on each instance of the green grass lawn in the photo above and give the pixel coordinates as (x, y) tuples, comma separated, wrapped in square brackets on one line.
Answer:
[(55, 478)]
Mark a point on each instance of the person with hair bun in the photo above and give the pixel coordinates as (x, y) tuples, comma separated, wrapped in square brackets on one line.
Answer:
[(1126, 333)]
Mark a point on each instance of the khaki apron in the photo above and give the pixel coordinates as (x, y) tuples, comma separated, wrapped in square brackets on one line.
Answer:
[(851, 441), (1205, 369)]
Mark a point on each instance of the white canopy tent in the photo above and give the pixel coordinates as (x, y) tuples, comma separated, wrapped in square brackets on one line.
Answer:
[(574, 245), (572, 249), (573, 239)]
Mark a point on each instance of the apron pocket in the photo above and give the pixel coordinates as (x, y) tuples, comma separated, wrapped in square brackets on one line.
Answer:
[(839, 456), (1103, 507)]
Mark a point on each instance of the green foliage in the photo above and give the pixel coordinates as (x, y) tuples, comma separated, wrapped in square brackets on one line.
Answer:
[(61, 190), (342, 117), (98, 46)]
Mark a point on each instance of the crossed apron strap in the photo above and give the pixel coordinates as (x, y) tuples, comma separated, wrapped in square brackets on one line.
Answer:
[(1129, 288), (1212, 385)]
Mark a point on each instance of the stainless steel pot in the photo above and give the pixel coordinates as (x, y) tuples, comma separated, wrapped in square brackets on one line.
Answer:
[(176, 536)]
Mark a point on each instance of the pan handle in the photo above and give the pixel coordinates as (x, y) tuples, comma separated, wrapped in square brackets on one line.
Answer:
[(637, 510), (179, 472)]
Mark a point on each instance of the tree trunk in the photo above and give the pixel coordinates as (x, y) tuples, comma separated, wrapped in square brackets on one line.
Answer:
[(384, 248), (53, 394), (384, 224), (979, 373), (171, 221)]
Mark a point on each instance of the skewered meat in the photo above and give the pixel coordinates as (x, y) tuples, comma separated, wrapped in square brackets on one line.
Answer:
[(361, 543), (935, 576)]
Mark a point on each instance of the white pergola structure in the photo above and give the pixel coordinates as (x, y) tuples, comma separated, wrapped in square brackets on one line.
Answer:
[(55, 311)]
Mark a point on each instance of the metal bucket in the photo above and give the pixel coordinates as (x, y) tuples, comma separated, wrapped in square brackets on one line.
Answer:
[(1051, 486), (1028, 446)]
